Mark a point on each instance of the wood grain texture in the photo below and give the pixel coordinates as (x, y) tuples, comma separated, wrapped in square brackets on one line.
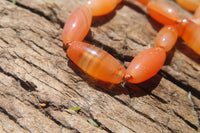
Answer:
[(39, 84)]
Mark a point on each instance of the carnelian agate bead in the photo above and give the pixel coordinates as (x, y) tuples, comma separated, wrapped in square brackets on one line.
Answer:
[(197, 13), (145, 65), (143, 2), (118, 1), (190, 5), (162, 12), (101, 7), (191, 35), (195, 20), (96, 62), (166, 38), (77, 25)]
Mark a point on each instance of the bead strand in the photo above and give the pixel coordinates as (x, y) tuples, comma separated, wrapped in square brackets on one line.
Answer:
[(101, 65)]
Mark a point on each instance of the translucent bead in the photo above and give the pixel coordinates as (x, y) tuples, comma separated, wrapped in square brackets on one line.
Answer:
[(195, 20), (145, 65), (101, 7), (77, 25), (96, 62), (144, 2), (118, 1), (197, 13), (191, 35), (166, 38), (190, 5), (162, 12)]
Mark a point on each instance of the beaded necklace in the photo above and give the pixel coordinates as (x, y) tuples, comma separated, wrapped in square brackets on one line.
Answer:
[(102, 66)]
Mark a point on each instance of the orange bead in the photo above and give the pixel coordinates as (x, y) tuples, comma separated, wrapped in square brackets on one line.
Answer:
[(195, 20), (101, 7), (118, 1), (162, 12), (191, 35), (190, 5), (145, 65), (96, 62), (144, 2), (77, 25), (197, 13), (166, 38)]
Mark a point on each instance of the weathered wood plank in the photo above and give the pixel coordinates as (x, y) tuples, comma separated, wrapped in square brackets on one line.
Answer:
[(38, 83)]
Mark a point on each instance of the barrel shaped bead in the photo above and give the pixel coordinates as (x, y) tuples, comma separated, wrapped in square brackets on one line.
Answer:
[(101, 7), (77, 25), (191, 35), (145, 65), (166, 38), (162, 12), (96, 62)]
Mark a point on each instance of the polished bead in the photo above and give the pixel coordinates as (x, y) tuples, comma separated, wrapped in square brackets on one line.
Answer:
[(144, 2), (118, 1), (166, 38), (162, 12), (197, 13), (101, 7), (190, 5), (195, 20), (145, 65), (96, 62), (191, 35), (77, 25)]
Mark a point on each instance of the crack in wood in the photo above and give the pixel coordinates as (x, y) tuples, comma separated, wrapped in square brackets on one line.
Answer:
[(103, 126), (49, 74), (42, 110), (122, 124), (60, 123), (87, 115), (54, 15), (154, 121), (47, 114), (165, 111), (195, 78), (41, 14), (195, 108), (145, 115), (11, 117), (30, 47), (27, 85), (186, 121), (40, 47), (55, 19), (99, 123), (51, 86), (4, 40), (187, 88), (3, 127)]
